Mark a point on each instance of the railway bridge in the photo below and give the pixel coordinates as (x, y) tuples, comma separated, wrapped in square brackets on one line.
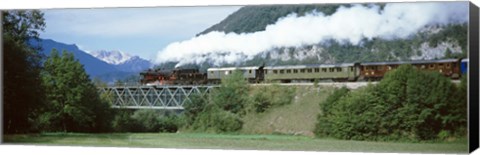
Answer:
[(153, 97)]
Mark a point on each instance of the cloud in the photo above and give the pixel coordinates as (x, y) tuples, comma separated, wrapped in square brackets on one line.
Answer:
[(346, 25)]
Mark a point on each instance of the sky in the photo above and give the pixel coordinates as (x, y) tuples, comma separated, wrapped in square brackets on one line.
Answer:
[(136, 31)]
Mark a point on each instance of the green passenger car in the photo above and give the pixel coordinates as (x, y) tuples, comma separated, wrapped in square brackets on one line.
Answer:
[(216, 74), (335, 72)]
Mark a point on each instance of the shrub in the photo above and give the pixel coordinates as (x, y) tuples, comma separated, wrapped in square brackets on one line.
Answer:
[(194, 107), (271, 96), (323, 125), (221, 110), (407, 104), (146, 120), (215, 119), (261, 99), (124, 123)]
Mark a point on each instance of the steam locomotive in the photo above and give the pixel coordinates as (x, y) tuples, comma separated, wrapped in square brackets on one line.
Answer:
[(452, 68)]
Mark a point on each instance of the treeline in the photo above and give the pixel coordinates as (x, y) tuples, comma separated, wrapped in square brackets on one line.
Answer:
[(407, 104)]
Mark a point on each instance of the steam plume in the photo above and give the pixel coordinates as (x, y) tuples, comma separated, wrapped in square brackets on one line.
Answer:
[(346, 25)]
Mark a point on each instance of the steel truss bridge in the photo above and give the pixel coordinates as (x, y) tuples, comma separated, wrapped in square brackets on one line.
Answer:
[(153, 97)]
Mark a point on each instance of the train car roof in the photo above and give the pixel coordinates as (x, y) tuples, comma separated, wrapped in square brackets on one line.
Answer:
[(311, 66), (232, 68), (408, 62), (465, 60)]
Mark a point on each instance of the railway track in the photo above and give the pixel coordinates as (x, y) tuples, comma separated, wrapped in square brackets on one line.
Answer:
[(350, 85)]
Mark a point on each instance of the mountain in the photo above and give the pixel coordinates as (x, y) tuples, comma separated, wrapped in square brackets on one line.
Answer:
[(256, 18), (434, 41), (134, 64), (112, 57), (122, 61), (94, 67)]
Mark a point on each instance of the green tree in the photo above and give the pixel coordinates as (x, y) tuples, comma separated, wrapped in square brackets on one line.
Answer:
[(232, 95), (23, 93), (194, 107), (73, 102), (220, 111), (408, 104)]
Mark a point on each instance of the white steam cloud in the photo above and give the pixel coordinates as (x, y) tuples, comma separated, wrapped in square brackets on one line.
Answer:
[(396, 20)]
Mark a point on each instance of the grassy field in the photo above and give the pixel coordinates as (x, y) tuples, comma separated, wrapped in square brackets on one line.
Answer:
[(236, 142), (287, 127)]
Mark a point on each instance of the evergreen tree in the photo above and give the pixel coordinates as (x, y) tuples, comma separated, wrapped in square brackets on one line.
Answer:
[(22, 89), (73, 103)]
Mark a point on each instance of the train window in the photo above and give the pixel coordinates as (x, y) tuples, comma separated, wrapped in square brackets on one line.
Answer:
[(282, 71), (380, 68), (447, 65), (440, 65), (275, 71), (339, 69), (432, 66), (309, 70), (295, 71), (302, 70), (289, 71), (249, 71), (331, 69), (317, 70), (211, 72), (351, 69), (324, 70), (266, 71)]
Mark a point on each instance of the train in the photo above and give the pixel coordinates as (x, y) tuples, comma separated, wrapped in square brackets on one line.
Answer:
[(341, 72)]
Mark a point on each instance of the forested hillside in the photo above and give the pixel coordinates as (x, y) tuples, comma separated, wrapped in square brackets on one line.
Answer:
[(430, 42), (433, 43), (255, 18)]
